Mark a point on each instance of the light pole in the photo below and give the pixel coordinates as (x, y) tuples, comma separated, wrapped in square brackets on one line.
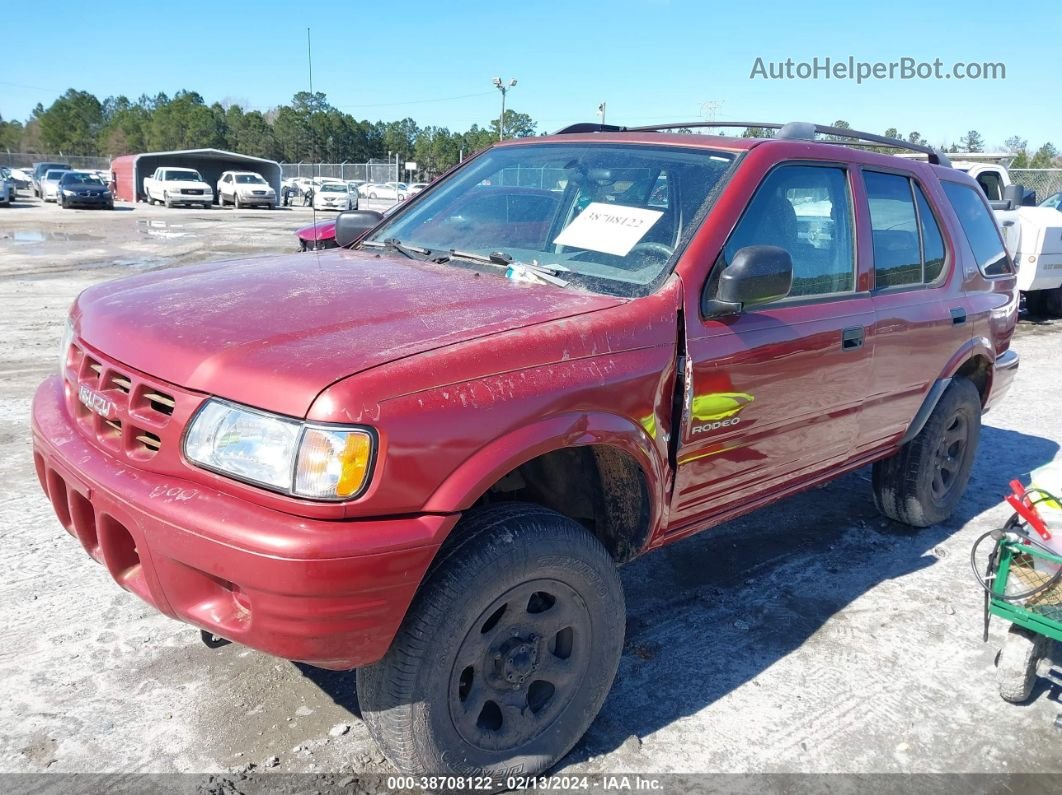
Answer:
[(504, 89)]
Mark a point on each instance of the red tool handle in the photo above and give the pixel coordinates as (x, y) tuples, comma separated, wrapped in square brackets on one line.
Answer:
[(1029, 514)]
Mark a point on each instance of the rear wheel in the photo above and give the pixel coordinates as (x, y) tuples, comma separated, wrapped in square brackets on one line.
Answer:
[(507, 652), (922, 483), (1018, 659), (1052, 302)]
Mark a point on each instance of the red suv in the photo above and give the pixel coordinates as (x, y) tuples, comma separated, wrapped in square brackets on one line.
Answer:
[(424, 454)]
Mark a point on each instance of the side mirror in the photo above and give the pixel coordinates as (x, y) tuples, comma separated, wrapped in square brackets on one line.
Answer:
[(756, 275), (352, 225)]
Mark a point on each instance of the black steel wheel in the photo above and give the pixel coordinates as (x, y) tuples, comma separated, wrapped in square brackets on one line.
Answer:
[(922, 483), (507, 652), (516, 668)]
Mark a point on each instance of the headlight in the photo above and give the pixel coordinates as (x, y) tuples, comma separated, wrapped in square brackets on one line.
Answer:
[(68, 192), (64, 346), (286, 455)]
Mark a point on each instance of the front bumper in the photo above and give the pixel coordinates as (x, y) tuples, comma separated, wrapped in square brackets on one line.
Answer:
[(329, 593), (89, 201), (256, 200)]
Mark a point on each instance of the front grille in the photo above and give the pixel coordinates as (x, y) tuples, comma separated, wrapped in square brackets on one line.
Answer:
[(124, 411), (191, 192)]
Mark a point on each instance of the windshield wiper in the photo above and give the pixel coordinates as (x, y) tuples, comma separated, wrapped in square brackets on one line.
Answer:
[(399, 246), (517, 271)]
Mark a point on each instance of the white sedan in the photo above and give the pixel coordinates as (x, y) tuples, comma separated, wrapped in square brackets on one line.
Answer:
[(50, 184), (334, 196), (397, 191)]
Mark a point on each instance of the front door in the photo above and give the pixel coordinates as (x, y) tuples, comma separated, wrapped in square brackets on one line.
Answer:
[(776, 391)]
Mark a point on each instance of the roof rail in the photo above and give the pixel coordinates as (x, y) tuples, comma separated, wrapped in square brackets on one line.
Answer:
[(792, 131)]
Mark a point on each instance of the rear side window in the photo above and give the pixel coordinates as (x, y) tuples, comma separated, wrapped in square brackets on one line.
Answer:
[(932, 240), (908, 245), (805, 210), (980, 228)]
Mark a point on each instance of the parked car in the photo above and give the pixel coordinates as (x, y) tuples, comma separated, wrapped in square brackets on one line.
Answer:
[(49, 183), (40, 169), (7, 187), (23, 178), (417, 187), (173, 186), (1054, 200), (424, 457), (245, 189), (335, 196), (356, 184), (317, 237), (397, 191), (83, 189)]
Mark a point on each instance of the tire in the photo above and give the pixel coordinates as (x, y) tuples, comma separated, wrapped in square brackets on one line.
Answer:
[(483, 632), (236, 202), (372, 195), (1016, 667), (921, 484), (166, 199), (1035, 301), (1052, 302)]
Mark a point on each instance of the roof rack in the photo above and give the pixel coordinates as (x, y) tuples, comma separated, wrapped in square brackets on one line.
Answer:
[(792, 131)]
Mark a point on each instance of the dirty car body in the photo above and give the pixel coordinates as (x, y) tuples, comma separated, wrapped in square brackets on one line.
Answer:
[(553, 324)]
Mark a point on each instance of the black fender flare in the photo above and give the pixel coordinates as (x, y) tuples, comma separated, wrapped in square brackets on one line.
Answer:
[(928, 404)]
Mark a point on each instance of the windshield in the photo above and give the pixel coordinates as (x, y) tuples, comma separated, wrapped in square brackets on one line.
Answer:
[(331, 187), (249, 179), (72, 178), (610, 215), (183, 176), (55, 174)]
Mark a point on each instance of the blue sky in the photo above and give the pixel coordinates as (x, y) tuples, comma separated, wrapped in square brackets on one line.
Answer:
[(650, 60)]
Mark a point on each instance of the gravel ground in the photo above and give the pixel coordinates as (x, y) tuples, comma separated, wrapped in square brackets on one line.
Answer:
[(809, 637)]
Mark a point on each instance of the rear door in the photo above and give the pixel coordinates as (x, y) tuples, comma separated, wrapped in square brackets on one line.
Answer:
[(775, 392), (920, 314)]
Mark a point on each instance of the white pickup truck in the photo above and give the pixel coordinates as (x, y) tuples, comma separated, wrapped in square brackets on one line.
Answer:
[(1033, 236), (173, 186)]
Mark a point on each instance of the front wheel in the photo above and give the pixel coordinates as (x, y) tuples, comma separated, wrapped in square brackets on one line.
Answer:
[(922, 483), (507, 652)]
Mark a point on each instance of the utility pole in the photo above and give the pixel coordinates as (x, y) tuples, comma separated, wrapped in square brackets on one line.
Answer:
[(504, 89), (601, 112)]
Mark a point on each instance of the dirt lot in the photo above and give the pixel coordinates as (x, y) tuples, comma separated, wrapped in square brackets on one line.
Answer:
[(809, 637)]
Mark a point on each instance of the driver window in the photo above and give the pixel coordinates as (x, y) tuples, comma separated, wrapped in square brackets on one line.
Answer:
[(807, 211)]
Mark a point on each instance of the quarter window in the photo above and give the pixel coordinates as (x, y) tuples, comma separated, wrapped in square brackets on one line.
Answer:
[(807, 211), (980, 228), (908, 245)]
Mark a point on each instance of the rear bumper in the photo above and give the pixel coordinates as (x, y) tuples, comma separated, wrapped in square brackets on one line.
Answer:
[(329, 593), (1003, 372)]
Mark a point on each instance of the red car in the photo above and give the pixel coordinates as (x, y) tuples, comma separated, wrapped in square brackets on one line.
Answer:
[(425, 455), (317, 237)]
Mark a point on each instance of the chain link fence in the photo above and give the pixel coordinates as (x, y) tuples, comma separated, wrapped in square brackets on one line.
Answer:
[(1044, 181), (373, 171), (27, 159)]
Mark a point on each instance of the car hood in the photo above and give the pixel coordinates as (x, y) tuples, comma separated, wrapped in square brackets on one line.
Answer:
[(273, 332)]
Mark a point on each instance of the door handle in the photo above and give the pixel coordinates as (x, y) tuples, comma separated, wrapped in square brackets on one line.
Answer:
[(958, 316), (852, 338)]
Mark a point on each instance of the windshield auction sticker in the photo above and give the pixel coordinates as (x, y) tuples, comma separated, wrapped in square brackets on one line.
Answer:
[(609, 228)]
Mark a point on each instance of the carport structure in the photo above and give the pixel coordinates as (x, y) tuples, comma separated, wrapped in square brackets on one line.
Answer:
[(130, 170)]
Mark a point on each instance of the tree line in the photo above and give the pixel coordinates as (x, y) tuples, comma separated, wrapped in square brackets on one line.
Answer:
[(310, 130)]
